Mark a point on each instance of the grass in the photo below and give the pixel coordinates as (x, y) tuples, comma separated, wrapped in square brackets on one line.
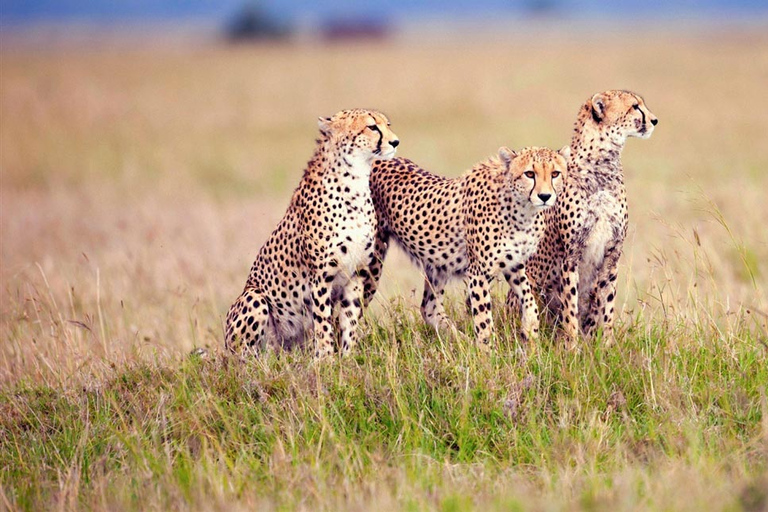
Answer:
[(410, 419), (137, 184)]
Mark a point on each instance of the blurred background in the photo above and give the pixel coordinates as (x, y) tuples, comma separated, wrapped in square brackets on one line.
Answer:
[(270, 18), (52, 21), (147, 149)]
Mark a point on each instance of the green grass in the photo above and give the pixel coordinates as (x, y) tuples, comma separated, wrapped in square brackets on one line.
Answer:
[(409, 421)]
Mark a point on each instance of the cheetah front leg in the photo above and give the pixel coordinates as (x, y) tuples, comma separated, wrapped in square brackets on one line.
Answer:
[(322, 313), (529, 310), (569, 300), (480, 300), (350, 312), (601, 308), (531, 268)]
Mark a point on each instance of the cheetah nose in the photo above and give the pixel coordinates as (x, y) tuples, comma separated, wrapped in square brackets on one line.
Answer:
[(544, 197), (394, 143), (654, 121)]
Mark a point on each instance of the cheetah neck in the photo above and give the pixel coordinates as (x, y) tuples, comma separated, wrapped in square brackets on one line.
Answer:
[(595, 152), (334, 161), (520, 216)]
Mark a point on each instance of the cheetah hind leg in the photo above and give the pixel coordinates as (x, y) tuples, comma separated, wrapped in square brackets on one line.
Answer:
[(247, 323), (432, 310), (546, 307), (514, 309), (372, 274)]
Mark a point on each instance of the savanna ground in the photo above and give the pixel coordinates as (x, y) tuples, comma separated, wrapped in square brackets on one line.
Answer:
[(139, 182)]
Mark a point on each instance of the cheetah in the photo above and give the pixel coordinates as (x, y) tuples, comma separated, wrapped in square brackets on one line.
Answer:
[(574, 269), (309, 268), (484, 223)]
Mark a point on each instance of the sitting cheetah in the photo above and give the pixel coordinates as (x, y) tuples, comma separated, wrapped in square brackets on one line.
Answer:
[(576, 263), (476, 226), (310, 264)]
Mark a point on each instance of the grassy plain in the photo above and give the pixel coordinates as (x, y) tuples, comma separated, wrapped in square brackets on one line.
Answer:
[(138, 183)]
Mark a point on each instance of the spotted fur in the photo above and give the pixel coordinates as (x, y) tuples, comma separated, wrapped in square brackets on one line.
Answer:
[(575, 266), (309, 268), (482, 224)]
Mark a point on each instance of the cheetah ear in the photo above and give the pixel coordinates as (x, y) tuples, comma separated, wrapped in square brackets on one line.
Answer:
[(598, 107), (506, 155), (324, 123), (565, 152)]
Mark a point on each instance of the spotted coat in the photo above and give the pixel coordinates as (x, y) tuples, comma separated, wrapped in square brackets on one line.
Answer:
[(309, 268), (482, 224), (575, 266)]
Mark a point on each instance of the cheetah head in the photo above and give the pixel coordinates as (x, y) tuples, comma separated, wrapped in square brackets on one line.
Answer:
[(537, 174), (622, 114), (363, 135)]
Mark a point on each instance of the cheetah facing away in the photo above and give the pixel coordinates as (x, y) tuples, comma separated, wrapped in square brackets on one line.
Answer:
[(477, 226), (309, 265), (575, 266)]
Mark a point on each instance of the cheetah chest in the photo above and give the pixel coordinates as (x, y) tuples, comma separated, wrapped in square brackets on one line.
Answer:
[(516, 248), (354, 242), (353, 236)]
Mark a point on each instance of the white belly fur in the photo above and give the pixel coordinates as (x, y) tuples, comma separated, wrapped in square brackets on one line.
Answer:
[(606, 210)]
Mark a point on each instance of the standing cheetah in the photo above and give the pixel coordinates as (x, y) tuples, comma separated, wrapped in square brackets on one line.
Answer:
[(311, 262), (576, 263), (482, 224)]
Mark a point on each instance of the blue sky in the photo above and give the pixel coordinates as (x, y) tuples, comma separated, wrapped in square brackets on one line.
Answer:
[(25, 11)]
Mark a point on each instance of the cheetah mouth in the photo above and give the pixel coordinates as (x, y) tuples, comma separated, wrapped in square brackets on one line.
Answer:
[(385, 154), (645, 132)]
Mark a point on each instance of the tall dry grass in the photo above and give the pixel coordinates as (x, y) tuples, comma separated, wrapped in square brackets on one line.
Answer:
[(138, 184)]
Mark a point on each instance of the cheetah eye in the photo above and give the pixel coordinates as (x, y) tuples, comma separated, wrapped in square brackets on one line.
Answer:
[(555, 174), (529, 174), (636, 106), (373, 127)]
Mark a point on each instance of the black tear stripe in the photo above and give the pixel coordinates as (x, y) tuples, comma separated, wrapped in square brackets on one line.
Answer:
[(381, 138), (637, 107)]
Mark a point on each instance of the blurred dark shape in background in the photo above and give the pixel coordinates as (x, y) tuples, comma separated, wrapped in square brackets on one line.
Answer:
[(355, 29), (542, 7), (253, 23)]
